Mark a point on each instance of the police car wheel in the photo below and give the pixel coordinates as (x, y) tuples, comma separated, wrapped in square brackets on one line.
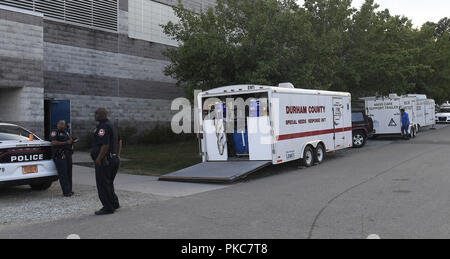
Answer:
[(41, 186), (308, 157), (319, 154)]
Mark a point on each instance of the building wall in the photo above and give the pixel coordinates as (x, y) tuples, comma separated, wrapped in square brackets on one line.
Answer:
[(95, 68), (43, 58), (195, 5), (21, 68)]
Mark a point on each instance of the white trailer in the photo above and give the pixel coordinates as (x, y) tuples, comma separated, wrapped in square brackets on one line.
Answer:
[(385, 113), (425, 111), (280, 124)]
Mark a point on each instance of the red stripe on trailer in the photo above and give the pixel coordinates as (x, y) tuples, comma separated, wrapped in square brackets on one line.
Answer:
[(312, 133)]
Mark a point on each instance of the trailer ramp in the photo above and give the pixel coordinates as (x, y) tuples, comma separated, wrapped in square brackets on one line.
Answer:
[(216, 172)]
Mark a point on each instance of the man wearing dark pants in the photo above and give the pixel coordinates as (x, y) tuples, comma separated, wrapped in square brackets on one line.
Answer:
[(405, 124), (62, 156), (115, 164), (104, 148)]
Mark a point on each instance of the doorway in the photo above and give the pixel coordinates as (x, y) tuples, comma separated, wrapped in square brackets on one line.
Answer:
[(54, 111)]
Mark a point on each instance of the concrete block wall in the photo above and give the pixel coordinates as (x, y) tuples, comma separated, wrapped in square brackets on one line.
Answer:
[(23, 106), (136, 112), (95, 68), (45, 59), (21, 68), (195, 5)]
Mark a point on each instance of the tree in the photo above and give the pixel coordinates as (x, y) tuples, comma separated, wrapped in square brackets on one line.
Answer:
[(379, 56), (324, 44), (258, 42), (442, 27), (434, 52), (330, 21)]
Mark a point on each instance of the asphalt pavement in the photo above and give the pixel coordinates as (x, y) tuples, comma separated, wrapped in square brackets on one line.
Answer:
[(392, 188)]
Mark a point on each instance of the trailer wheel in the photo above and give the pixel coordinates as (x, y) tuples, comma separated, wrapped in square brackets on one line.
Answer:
[(413, 132), (319, 154), (308, 157)]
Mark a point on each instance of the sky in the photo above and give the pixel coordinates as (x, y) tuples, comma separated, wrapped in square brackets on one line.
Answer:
[(419, 11)]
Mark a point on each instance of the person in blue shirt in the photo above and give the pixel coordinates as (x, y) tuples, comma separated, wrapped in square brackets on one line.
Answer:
[(405, 124)]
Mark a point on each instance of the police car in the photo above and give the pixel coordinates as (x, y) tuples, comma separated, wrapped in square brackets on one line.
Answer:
[(443, 116), (25, 159)]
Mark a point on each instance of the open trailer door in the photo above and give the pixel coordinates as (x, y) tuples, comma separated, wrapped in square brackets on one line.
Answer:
[(216, 172), (259, 128)]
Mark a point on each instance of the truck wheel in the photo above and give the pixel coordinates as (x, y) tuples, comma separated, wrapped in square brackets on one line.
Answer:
[(359, 139), (308, 157), (319, 154), (41, 186)]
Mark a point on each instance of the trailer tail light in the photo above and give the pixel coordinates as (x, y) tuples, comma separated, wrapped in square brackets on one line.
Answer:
[(200, 136)]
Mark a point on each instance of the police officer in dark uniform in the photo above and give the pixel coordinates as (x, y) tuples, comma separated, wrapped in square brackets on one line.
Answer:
[(62, 150), (104, 150)]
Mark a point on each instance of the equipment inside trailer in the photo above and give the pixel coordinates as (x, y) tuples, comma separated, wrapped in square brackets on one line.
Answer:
[(230, 122)]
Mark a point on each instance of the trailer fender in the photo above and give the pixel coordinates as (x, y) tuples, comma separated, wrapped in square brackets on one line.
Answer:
[(314, 144)]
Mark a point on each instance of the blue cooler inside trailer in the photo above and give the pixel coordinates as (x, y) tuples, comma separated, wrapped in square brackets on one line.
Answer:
[(241, 143)]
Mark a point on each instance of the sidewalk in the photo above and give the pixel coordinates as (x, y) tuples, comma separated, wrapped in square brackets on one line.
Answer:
[(138, 183)]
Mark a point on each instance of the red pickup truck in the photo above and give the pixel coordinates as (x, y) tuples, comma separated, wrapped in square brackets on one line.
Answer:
[(362, 128)]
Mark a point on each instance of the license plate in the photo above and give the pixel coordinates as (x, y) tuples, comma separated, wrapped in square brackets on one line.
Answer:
[(32, 169)]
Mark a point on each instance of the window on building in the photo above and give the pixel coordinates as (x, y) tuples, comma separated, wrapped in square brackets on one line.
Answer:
[(145, 20), (102, 14)]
